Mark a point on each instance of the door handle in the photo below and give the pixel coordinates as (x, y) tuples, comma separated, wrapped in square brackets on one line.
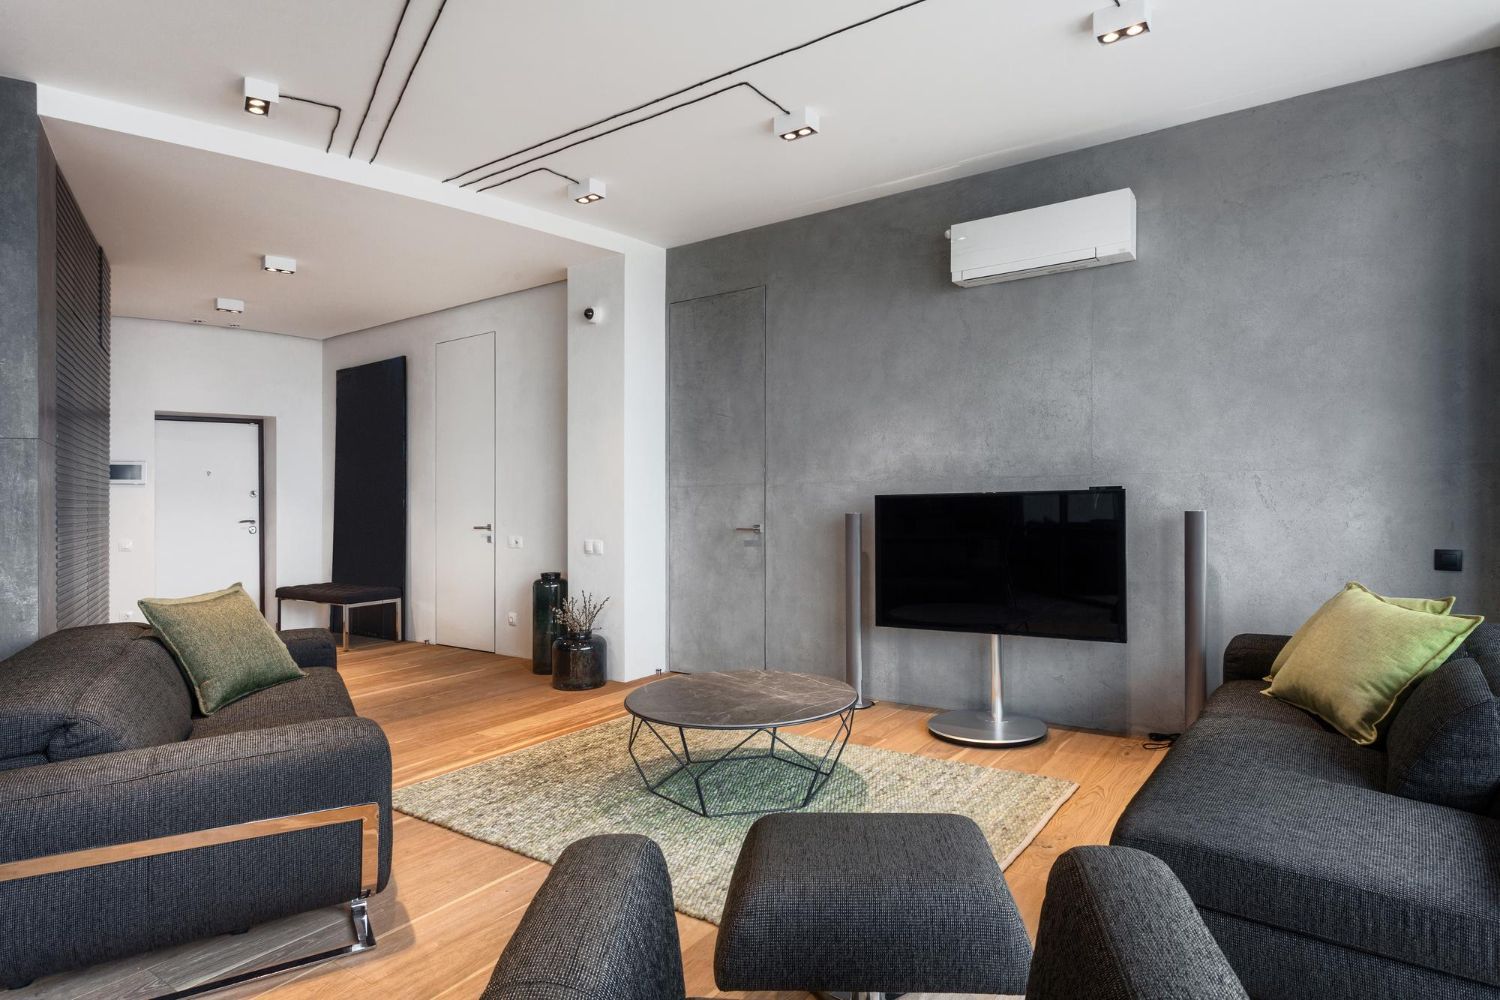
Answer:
[(484, 527), (754, 527), (250, 521)]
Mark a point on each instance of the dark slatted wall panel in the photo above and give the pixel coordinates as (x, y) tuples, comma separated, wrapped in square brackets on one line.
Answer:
[(82, 419)]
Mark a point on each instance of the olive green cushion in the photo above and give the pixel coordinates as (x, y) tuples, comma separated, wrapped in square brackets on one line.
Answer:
[(223, 644), (1359, 657), (1432, 605)]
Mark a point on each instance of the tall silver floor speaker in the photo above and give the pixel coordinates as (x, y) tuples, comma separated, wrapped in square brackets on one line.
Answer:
[(854, 641), (1194, 613)]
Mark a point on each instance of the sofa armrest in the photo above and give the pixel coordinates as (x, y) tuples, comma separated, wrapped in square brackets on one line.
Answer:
[(1117, 925), (1248, 657), (196, 785), (311, 647), (601, 925)]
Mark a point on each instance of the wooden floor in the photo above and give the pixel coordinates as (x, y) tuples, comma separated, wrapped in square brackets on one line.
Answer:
[(453, 902)]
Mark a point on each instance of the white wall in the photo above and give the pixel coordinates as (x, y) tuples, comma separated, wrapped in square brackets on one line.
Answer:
[(530, 330), (179, 368), (617, 454)]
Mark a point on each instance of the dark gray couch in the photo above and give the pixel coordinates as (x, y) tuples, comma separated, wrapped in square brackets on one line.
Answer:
[(1317, 882), (99, 746), (1115, 926)]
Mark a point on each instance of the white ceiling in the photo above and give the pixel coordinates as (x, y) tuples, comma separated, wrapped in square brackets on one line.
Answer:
[(943, 89), (182, 226)]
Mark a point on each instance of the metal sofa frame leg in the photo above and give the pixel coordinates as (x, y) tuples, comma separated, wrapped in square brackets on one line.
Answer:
[(367, 815)]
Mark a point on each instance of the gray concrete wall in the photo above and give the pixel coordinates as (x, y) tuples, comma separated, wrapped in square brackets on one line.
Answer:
[(1308, 347), (27, 430)]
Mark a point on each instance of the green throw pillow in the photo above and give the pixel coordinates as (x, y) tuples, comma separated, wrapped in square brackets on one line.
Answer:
[(1431, 605), (1359, 657), (223, 644)]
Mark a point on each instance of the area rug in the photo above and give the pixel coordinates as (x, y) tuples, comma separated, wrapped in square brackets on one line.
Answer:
[(538, 800)]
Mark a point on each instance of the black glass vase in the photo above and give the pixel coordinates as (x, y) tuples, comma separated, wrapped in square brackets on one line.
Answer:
[(579, 661), (547, 595)]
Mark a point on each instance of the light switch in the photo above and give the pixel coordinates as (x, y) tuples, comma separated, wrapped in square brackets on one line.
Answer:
[(125, 545), (511, 618), (598, 546)]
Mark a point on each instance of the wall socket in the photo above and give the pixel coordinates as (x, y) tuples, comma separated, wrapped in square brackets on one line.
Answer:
[(511, 618)]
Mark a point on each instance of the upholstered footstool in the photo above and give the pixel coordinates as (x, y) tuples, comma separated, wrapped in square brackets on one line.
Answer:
[(870, 902)]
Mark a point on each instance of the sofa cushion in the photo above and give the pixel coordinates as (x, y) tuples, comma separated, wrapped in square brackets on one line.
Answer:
[(311, 647), (1359, 657), (137, 699), (1430, 605), (1290, 827), (223, 644), (1444, 745), (320, 694), (90, 690)]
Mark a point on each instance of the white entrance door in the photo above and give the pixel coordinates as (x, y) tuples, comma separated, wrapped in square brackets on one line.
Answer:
[(465, 489), (207, 507)]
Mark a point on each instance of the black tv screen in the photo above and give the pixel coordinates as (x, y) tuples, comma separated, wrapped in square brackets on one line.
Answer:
[(1041, 564)]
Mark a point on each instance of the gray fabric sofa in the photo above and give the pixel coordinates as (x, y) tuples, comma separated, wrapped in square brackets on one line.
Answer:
[(1115, 926), (1315, 880), (100, 748)]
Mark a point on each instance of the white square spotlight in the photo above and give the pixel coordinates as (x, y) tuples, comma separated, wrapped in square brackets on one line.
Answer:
[(229, 305), (1131, 19), (796, 125), (587, 191), (260, 95), (278, 265)]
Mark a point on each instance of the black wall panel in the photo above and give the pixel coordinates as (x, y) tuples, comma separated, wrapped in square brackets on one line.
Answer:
[(369, 486), (82, 372)]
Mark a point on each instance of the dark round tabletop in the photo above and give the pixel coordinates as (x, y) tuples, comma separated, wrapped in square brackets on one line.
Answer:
[(740, 699)]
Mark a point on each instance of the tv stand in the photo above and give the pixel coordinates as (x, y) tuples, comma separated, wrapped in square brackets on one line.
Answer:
[(989, 727)]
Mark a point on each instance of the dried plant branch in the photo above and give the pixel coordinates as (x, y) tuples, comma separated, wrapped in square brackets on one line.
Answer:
[(578, 614)]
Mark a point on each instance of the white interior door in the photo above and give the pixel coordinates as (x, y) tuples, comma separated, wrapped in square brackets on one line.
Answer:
[(465, 490), (207, 507)]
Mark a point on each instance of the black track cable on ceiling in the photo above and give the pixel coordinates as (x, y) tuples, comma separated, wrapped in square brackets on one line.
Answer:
[(397, 106), (379, 76), (338, 114), (617, 128), (534, 170), (684, 90)]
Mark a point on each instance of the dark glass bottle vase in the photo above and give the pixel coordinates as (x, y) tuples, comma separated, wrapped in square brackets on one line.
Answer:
[(579, 661), (547, 595)]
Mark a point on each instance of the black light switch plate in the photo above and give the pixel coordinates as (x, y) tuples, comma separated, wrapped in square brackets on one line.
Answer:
[(1449, 560)]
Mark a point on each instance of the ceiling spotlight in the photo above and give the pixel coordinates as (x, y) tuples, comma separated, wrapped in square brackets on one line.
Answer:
[(796, 125), (587, 191), (278, 265), (260, 95), (229, 305), (1128, 20)]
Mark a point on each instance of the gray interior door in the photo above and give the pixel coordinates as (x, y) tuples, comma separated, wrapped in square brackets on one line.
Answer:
[(716, 439)]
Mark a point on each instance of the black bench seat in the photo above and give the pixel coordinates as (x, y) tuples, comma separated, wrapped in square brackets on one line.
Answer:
[(342, 595)]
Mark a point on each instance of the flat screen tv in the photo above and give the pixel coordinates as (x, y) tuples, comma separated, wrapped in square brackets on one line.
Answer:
[(1046, 563)]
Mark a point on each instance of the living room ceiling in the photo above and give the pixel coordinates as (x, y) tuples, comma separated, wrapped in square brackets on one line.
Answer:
[(182, 227), (939, 89)]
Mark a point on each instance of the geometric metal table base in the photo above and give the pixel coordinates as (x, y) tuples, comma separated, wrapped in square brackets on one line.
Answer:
[(819, 769)]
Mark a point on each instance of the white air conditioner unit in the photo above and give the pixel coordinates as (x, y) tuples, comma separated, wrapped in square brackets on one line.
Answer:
[(1084, 232)]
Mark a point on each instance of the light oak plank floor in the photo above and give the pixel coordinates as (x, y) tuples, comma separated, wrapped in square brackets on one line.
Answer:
[(453, 902)]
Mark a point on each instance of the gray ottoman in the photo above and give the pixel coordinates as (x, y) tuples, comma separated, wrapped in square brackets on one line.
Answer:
[(870, 902)]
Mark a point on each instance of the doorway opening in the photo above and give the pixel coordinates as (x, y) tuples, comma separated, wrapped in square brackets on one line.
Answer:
[(210, 505)]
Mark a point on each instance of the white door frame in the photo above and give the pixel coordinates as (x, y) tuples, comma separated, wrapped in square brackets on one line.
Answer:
[(260, 476)]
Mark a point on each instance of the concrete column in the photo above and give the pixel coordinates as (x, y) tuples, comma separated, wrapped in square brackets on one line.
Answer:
[(28, 438)]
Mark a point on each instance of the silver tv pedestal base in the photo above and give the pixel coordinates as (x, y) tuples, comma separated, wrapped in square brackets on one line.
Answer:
[(989, 727)]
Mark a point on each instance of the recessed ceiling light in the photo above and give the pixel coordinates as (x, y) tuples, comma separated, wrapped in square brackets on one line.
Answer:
[(260, 95), (229, 305), (278, 265), (587, 191), (796, 125), (1129, 19)]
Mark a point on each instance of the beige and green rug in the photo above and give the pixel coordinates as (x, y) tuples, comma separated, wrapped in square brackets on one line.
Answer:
[(538, 800)]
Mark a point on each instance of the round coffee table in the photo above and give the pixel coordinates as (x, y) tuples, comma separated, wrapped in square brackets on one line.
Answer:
[(754, 701)]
